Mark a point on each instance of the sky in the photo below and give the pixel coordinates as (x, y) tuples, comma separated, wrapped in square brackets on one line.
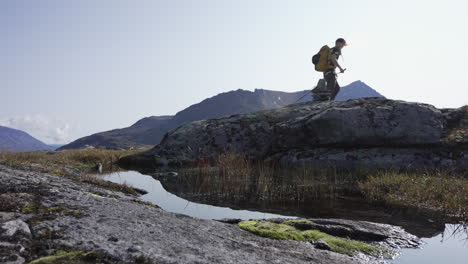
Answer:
[(72, 68)]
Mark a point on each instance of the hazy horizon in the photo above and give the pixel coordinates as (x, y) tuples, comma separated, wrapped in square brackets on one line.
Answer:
[(73, 68)]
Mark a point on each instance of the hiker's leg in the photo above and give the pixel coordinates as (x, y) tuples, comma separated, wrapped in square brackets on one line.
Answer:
[(319, 93), (330, 77), (336, 90)]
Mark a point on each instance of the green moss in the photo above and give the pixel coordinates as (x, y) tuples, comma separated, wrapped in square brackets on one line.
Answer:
[(63, 211), (287, 232), (272, 230), (83, 166), (342, 245), (76, 257), (73, 213), (45, 213), (29, 209), (301, 221)]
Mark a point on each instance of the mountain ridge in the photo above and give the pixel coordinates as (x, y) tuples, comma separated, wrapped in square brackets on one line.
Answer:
[(149, 131), (14, 140)]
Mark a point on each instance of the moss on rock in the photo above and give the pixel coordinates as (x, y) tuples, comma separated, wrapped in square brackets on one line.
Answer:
[(298, 221), (75, 257), (64, 211), (28, 209), (272, 230), (287, 232), (342, 245)]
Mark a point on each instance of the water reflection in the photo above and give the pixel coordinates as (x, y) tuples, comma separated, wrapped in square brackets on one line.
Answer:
[(451, 246), (312, 195), (173, 203), (444, 243)]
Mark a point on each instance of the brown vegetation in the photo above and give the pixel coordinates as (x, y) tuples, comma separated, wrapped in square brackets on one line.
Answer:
[(80, 165), (444, 191), (235, 178)]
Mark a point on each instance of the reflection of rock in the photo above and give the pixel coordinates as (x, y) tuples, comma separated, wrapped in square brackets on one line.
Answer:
[(372, 132)]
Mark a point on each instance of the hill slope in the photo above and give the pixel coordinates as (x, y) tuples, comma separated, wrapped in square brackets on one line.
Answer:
[(13, 140), (149, 131)]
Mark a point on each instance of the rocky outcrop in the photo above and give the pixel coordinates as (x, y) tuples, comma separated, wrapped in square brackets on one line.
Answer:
[(15, 238), (41, 214), (371, 132), (149, 131)]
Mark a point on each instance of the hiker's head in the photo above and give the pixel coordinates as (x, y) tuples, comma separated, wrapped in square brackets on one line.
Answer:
[(340, 43)]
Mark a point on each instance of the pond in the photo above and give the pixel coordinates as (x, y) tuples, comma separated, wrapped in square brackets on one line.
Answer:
[(451, 246), (444, 243), (173, 203)]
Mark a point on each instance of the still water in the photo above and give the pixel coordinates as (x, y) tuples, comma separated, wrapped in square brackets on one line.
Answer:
[(172, 203), (446, 246)]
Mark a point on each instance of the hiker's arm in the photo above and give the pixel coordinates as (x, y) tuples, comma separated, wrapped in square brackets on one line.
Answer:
[(335, 62)]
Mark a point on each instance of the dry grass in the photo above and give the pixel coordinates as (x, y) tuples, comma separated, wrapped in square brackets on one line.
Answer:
[(236, 179), (76, 164), (82, 159), (443, 191)]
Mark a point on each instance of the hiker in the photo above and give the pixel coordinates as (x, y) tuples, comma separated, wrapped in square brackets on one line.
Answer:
[(330, 74), (326, 61)]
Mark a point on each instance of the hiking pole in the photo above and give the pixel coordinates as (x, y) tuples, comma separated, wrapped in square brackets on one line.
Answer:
[(306, 93)]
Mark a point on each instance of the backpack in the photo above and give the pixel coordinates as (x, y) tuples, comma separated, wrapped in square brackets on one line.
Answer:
[(320, 60)]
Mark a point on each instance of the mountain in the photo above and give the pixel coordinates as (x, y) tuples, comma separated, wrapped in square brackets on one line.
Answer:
[(356, 90), (13, 140), (150, 130), (136, 136)]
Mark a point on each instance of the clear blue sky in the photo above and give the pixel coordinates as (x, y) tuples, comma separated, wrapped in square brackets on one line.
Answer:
[(72, 68)]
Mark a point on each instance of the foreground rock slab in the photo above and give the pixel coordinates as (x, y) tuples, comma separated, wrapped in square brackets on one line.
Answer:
[(48, 213)]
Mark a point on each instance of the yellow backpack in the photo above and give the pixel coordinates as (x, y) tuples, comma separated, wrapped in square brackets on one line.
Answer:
[(320, 60)]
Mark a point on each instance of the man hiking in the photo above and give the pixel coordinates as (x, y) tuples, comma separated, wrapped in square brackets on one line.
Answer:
[(326, 61), (330, 74)]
